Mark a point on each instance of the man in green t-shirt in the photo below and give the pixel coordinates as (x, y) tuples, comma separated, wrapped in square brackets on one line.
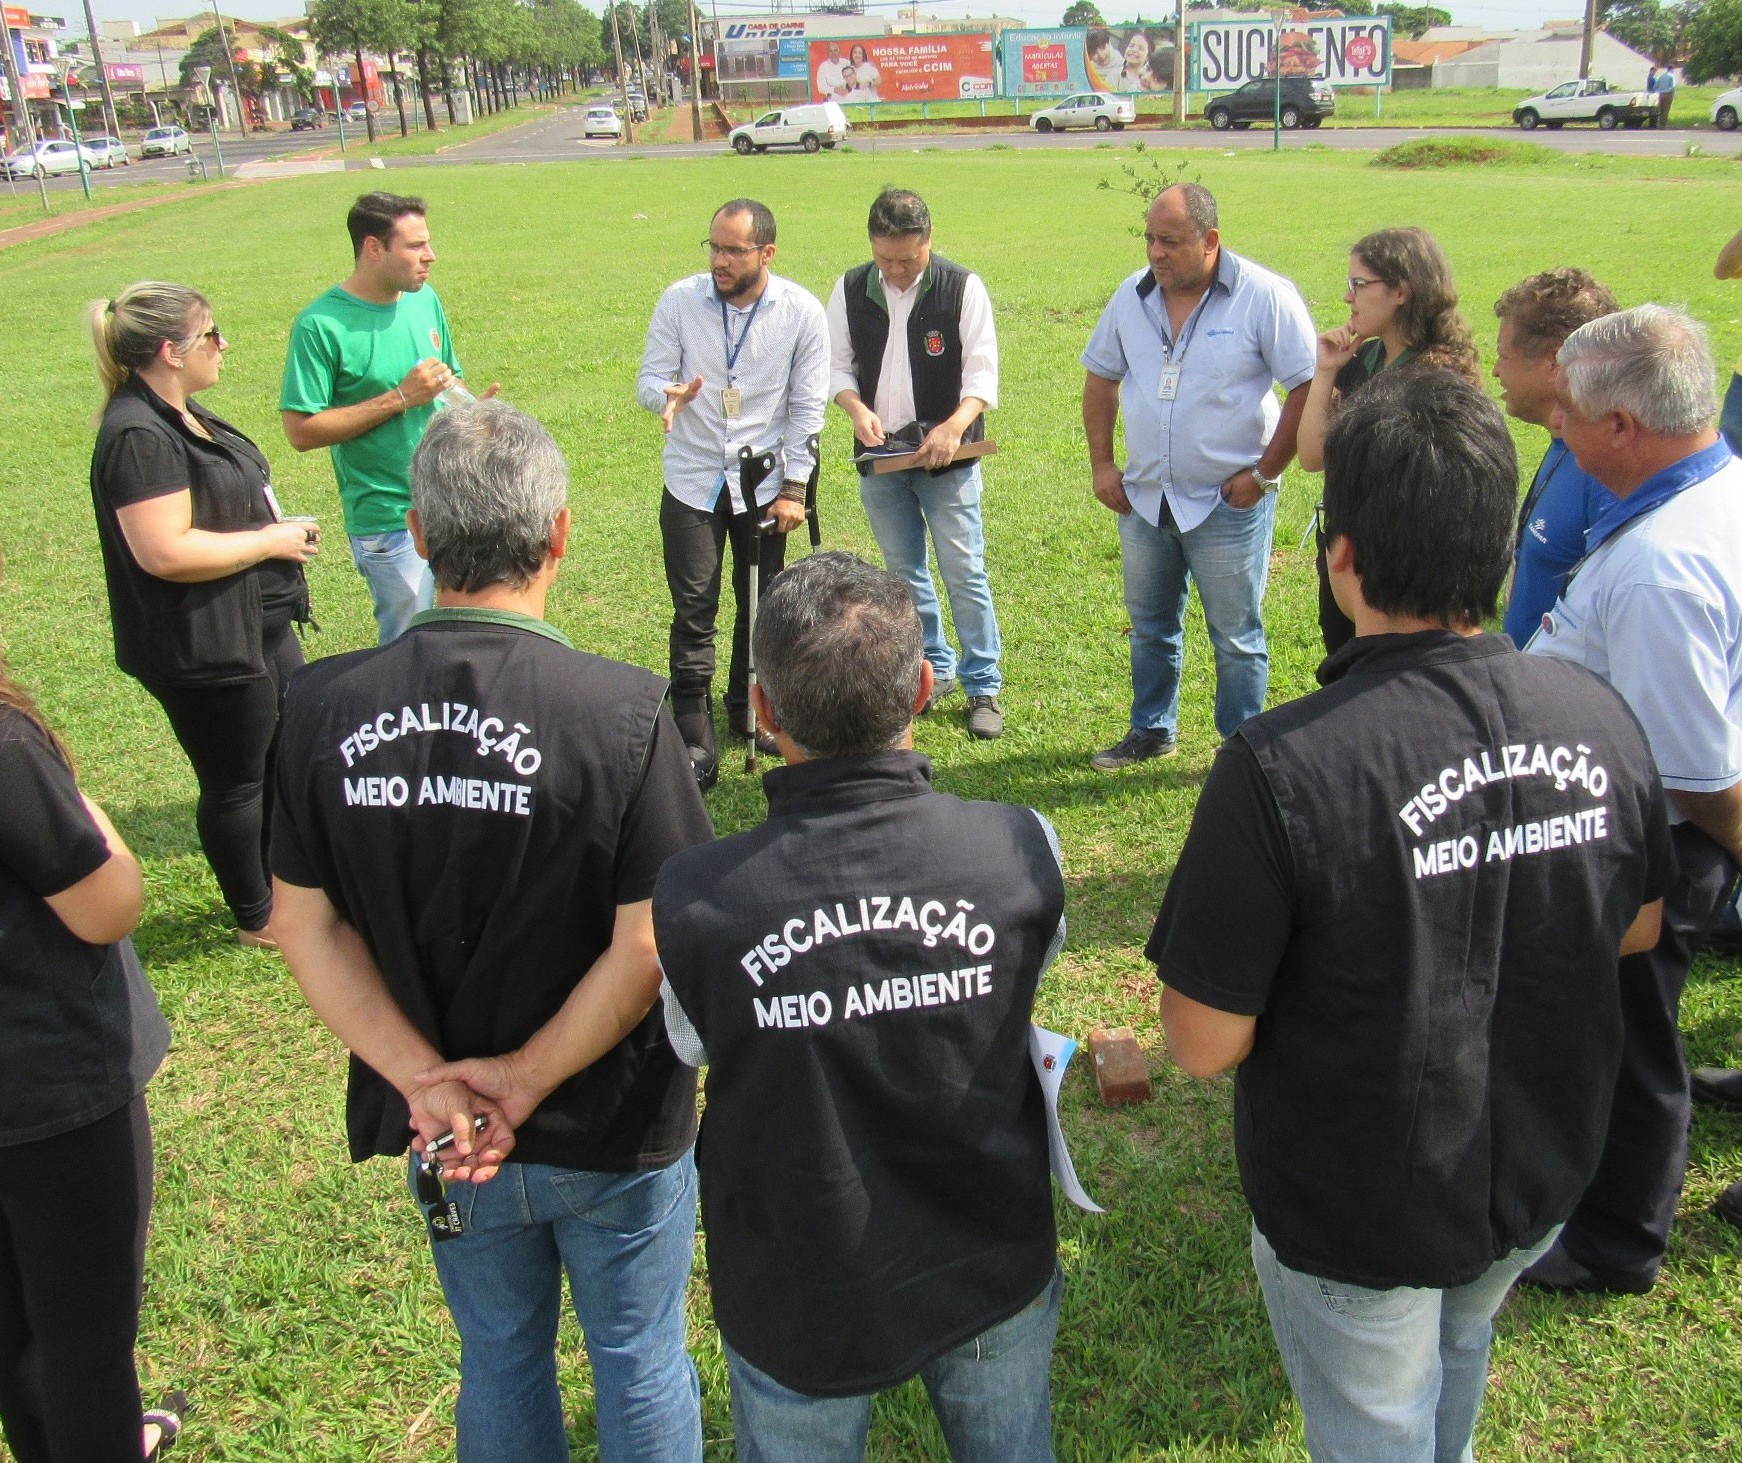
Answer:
[(367, 361)]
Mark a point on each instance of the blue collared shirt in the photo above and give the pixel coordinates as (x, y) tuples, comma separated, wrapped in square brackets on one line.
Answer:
[(1563, 502), (780, 362), (1655, 609), (1250, 331)]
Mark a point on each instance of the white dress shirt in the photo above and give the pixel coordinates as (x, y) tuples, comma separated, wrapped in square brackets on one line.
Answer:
[(781, 367), (894, 402)]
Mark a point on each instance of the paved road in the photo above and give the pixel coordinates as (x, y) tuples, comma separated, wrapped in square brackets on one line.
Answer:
[(557, 137)]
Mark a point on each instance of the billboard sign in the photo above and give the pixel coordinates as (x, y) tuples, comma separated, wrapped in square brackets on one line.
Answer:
[(943, 68), (758, 50), (1351, 51), (1130, 59), (125, 71), (17, 17)]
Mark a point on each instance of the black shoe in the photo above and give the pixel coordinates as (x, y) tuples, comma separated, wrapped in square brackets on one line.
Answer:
[(1728, 1205), (941, 689), (1557, 1270), (1138, 746), (1717, 1086), (695, 724)]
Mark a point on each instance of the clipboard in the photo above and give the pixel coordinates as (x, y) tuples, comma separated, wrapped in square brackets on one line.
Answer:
[(883, 461)]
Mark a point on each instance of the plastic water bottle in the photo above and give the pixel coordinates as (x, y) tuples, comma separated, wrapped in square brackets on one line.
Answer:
[(454, 394)]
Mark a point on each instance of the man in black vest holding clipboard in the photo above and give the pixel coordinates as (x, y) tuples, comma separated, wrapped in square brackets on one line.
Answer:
[(913, 361)]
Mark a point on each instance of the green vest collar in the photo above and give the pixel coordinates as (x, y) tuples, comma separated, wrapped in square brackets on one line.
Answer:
[(513, 619), (874, 288)]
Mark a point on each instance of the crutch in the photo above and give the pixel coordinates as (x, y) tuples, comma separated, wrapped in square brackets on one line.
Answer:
[(753, 467)]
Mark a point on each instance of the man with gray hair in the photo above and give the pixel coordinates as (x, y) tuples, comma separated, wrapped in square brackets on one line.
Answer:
[(1655, 608), (1192, 348), (858, 975), (471, 822)]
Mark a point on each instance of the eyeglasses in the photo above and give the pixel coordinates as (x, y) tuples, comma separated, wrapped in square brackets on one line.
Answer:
[(1355, 282), (216, 337), (731, 251)]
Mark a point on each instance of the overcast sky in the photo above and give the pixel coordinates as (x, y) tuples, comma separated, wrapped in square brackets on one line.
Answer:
[(1495, 14)]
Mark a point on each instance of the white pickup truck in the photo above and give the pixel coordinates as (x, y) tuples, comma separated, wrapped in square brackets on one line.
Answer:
[(1586, 101)]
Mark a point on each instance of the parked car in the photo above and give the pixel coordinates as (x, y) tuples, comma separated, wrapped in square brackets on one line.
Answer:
[(308, 119), (601, 121), (637, 106), (46, 159), (1304, 103), (357, 112), (1097, 109), (165, 142), (1586, 101), (822, 124), (108, 152), (1726, 109)]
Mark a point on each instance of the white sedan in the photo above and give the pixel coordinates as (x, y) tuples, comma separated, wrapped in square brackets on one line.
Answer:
[(1097, 109), (1726, 110), (601, 122), (47, 159)]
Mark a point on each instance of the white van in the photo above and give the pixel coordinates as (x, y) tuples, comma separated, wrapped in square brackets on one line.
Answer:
[(821, 124)]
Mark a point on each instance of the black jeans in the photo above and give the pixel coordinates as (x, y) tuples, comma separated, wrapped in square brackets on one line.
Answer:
[(1621, 1226), (73, 1211), (695, 545), (230, 735)]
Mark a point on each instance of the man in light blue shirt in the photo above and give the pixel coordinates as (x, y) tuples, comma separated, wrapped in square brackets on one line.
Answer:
[(1655, 609), (736, 359), (1192, 348)]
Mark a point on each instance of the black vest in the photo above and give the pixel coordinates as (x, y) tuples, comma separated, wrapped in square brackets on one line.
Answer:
[(1432, 1072), (934, 342), (873, 1155)]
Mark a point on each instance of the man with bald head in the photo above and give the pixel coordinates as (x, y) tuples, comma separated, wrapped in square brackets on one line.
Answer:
[(1192, 347)]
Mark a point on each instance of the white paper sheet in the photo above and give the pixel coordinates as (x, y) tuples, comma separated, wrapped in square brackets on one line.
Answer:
[(1052, 1054)]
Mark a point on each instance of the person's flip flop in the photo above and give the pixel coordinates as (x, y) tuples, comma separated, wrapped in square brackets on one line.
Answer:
[(167, 1415)]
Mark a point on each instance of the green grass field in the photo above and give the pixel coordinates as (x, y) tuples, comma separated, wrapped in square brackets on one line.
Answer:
[(288, 1290)]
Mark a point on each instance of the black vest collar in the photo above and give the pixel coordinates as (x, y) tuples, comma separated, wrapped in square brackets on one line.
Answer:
[(1384, 655), (840, 782)]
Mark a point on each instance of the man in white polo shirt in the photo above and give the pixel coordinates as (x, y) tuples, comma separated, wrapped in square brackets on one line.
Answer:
[(1192, 347), (1655, 608)]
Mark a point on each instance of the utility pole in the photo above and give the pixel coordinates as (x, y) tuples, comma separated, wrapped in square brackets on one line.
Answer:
[(20, 107), (1179, 62), (235, 81), (622, 79), (102, 70), (695, 75), (1590, 39)]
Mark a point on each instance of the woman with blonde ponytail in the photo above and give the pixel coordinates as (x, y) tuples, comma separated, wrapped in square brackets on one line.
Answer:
[(205, 576)]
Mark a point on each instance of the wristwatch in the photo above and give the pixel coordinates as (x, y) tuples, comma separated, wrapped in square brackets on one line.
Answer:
[(1270, 485)]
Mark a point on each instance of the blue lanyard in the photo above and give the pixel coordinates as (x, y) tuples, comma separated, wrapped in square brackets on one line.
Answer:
[(733, 351)]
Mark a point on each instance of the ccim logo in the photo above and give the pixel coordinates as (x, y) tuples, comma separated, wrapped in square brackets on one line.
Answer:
[(763, 29)]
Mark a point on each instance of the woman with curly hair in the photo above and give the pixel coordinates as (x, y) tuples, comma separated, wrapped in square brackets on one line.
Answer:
[(1403, 310)]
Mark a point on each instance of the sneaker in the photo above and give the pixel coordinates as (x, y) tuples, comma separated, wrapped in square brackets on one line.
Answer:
[(940, 689), (1138, 746), (985, 720)]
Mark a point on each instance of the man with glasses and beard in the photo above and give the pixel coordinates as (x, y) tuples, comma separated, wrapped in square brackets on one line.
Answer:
[(737, 358)]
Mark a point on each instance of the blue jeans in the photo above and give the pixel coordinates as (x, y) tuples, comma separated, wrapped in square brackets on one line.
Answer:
[(900, 506), (626, 1241), (1386, 1376), (1730, 419), (991, 1395), (398, 578), (1228, 557)]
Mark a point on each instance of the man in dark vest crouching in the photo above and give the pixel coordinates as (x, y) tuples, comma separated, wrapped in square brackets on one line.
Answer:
[(1398, 914), (857, 974)]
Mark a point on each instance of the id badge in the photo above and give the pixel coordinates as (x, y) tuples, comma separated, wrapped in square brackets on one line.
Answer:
[(1167, 387), (731, 402)]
